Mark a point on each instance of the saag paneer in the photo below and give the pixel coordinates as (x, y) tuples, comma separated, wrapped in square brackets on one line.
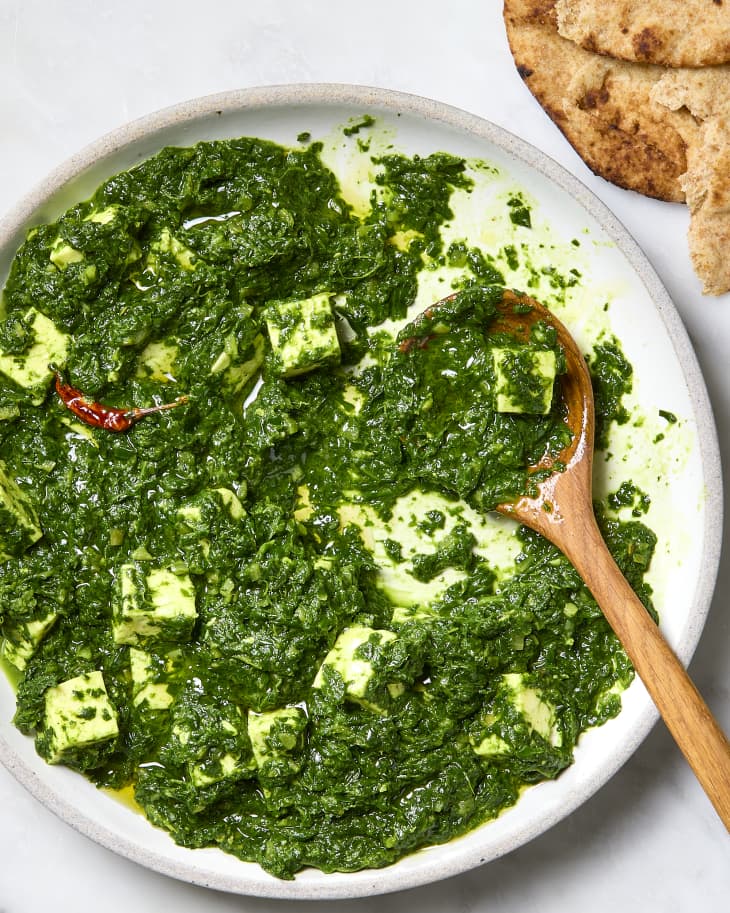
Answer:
[(197, 608)]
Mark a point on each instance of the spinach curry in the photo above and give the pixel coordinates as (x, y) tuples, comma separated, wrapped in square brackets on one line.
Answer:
[(203, 608)]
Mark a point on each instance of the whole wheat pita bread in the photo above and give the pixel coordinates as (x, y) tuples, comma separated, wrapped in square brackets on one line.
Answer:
[(603, 106), (703, 92), (706, 95), (707, 184), (688, 33)]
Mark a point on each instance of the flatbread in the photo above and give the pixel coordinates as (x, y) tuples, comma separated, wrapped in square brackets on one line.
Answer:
[(603, 106), (707, 184), (706, 95), (674, 33), (662, 132)]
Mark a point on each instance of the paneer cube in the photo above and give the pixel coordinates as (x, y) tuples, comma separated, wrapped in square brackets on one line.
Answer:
[(19, 524), (231, 502), (491, 746), (168, 244), (22, 639), (524, 379), (78, 715), (208, 519), (157, 360), (30, 369), (152, 606), (214, 770), (538, 712), (103, 216), (519, 712), (64, 254), (355, 672), (149, 689), (238, 366), (358, 674), (211, 739), (303, 335), (276, 739)]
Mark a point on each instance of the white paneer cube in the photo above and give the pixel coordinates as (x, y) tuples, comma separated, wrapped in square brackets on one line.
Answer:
[(538, 712), (355, 671), (303, 334), (518, 705), (152, 606), (23, 639), (78, 715), (147, 690), (19, 524), (275, 737), (30, 370), (525, 377)]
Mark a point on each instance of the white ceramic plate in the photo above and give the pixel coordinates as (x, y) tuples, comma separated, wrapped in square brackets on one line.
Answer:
[(685, 469)]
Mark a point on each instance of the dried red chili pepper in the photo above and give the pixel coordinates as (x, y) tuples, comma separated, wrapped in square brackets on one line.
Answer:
[(107, 417)]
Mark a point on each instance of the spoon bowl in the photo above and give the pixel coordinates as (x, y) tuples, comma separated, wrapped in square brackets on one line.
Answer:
[(559, 505), (569, 485)]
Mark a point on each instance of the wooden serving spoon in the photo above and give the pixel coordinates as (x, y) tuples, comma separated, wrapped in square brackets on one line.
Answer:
[(560, 508)]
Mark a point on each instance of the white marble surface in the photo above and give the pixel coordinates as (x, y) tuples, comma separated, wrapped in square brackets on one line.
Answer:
[(69, 71)]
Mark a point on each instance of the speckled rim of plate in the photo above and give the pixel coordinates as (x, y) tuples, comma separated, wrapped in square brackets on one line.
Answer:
[(454, 860)]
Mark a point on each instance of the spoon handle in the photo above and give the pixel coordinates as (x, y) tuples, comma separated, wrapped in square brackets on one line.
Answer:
[(685, 713)]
